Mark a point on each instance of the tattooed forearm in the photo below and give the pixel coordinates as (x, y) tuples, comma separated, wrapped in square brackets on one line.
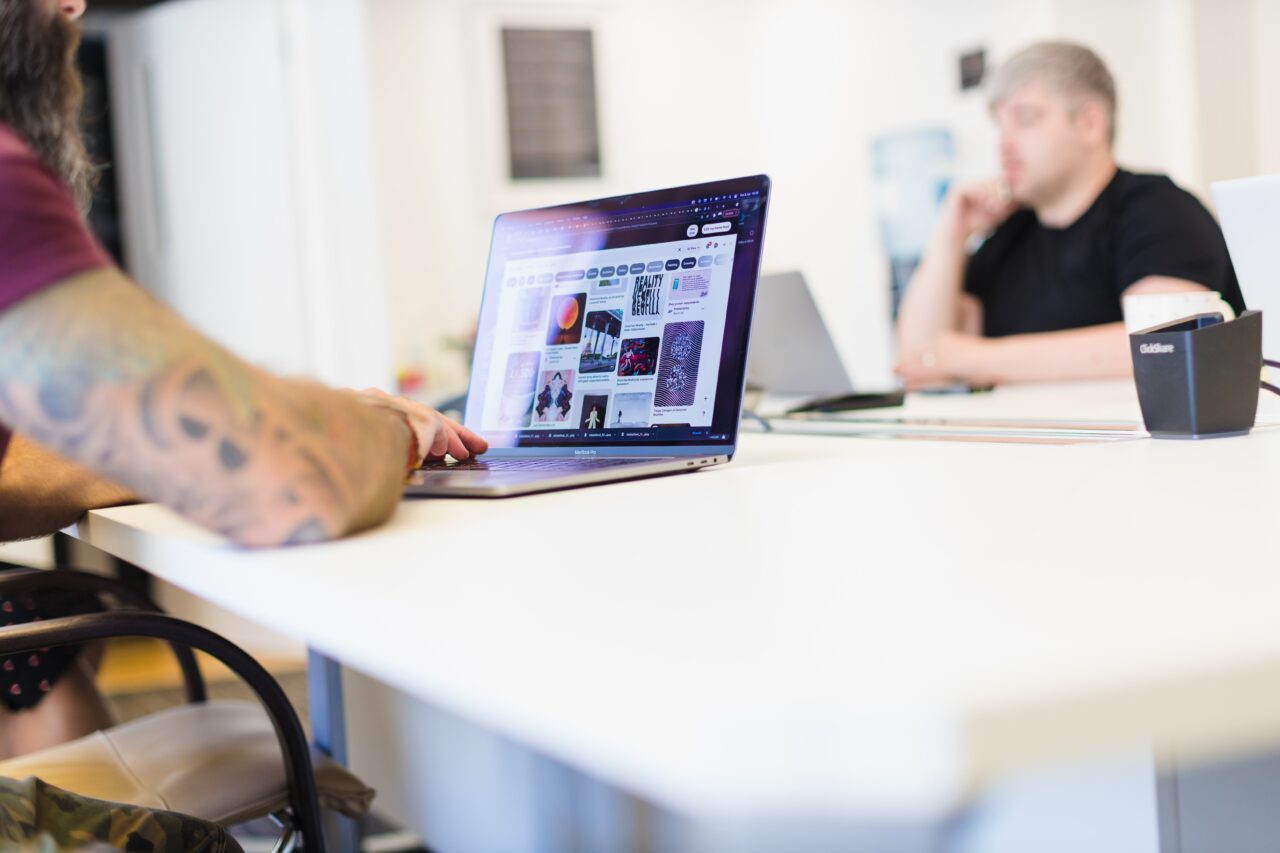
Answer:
[(99, 372), (311, 530)]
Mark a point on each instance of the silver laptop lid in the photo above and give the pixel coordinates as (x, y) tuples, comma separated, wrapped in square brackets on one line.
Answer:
[(791, 349), (620, 324), (1249, 210)]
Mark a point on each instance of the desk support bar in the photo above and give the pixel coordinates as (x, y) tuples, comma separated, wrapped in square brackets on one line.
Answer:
[(329, 733)]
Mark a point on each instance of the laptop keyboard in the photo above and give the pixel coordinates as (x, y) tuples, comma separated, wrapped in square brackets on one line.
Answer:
[(538, 463)]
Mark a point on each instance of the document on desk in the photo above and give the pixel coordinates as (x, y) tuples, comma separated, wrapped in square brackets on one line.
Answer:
[(979, 430)]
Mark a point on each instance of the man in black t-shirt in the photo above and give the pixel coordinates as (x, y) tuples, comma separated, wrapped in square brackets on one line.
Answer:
[(1070, 234)]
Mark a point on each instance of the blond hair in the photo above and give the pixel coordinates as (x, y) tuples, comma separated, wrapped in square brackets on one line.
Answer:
[(1071, 69)]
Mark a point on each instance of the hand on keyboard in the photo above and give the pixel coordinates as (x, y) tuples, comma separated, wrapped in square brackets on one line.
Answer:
[(437, 435)]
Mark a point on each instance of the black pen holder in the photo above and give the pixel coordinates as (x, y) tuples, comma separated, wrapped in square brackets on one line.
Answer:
[(1199, 377)]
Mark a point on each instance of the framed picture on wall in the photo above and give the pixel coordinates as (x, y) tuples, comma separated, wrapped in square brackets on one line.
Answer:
[(552, 122)]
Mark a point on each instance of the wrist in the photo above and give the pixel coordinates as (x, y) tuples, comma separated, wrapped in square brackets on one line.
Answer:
[(952, 236), (413, 453)]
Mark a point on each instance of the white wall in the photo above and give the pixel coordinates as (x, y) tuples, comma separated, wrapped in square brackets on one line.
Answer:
[(1224, 63), (439, 106), (1266, 105), (831, 76), (692, 91), (687, 91), (320, 198)]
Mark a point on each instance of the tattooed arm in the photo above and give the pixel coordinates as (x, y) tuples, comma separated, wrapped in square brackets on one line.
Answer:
[(41, 492), (99, 372)]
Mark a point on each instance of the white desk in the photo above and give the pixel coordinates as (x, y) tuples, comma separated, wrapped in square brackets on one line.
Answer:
[(824, 629)]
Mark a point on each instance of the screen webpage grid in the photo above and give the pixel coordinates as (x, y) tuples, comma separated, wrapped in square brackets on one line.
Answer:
[(611, 343)]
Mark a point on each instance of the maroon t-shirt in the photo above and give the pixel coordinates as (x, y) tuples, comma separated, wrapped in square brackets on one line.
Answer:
[(43, 240)]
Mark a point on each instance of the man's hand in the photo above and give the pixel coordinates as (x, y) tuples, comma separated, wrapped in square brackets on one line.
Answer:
[(935, 302), (953, 357), (978, 207), (437, 435)]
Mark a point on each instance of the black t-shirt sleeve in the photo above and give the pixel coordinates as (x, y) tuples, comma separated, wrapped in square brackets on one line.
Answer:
[(1164, 230), (977, 273)]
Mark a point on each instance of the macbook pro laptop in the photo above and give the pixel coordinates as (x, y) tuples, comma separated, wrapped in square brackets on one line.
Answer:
[(1249, 209), (791, 349), (793, 357), (612, 340)]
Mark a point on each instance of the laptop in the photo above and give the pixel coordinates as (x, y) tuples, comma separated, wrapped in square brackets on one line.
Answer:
[(1249, 209), (793, 357), (792, 351), (612, 341)]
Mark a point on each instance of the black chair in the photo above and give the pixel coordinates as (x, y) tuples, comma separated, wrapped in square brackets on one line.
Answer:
[(238, 749)]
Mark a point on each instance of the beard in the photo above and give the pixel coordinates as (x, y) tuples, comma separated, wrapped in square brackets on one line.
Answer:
[(40, 92)]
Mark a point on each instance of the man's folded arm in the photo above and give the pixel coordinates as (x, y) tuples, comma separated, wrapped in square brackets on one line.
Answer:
[(97, 371), (1091, 352)]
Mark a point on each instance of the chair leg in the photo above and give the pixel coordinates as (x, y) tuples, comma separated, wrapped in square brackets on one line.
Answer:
[(288, 841)]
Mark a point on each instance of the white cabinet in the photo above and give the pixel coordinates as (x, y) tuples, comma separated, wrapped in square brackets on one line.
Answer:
[(243, 139)]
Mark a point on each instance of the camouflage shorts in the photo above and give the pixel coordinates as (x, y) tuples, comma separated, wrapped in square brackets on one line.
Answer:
[(39, 818)]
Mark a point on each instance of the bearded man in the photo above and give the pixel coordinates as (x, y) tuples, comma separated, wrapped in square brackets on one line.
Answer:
[(109, 395)]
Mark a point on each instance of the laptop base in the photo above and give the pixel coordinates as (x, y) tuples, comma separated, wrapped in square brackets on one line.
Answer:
[(445, 482)]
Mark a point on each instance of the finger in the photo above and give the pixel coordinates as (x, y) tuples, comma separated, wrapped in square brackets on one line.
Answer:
[(424, 437), (439, 443), (473, 442), (457, 449), (439, 440), (995, 200), (915, 377)]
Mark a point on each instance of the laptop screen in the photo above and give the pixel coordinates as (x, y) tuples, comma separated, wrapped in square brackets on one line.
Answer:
[(620, 321)]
